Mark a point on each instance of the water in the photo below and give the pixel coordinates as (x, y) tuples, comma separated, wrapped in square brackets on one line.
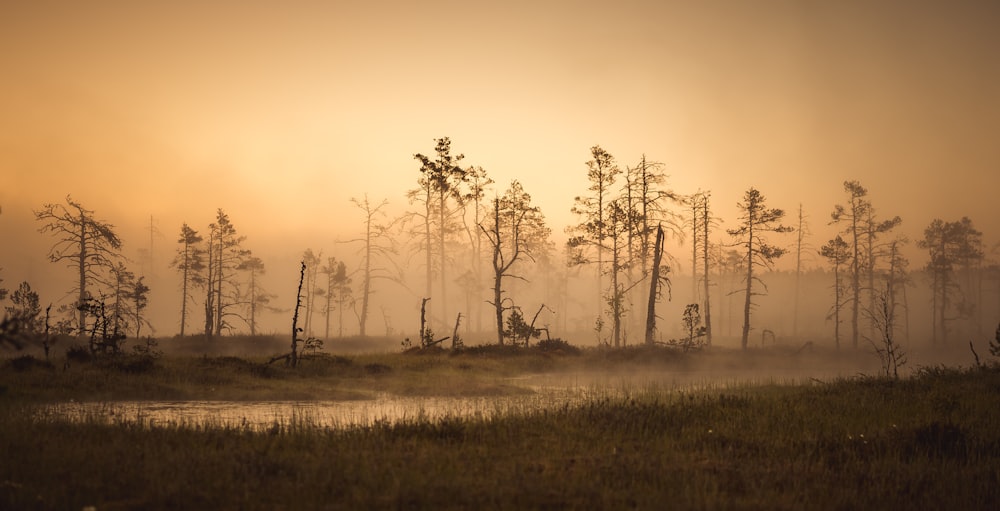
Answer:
[(547, 391)]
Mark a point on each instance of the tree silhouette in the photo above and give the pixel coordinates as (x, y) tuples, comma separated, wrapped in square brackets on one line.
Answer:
[(949, 244), (801, 231), (515, 230), (658, 278), (256, 297), (377, 250), (862, 231), (122, 287), (312, 260), (476, 182), (439, 184), (756, 220), (616, 231), (591, 232), (190, 262), (139, 294), (226, 253), (837, 251), (88, 245), (24, 310)]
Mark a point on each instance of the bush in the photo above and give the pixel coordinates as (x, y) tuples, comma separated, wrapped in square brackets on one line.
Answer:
[(28, 362), (556, 346), (77, 353)]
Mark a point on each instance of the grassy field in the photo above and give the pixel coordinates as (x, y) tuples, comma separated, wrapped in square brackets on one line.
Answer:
[(927, 442)]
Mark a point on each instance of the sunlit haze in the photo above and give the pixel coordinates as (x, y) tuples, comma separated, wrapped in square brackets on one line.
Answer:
[(280, 112)]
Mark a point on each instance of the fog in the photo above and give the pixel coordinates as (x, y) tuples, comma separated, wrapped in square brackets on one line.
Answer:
[(158, 115)]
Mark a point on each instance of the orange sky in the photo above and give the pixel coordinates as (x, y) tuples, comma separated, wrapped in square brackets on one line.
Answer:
[(279, 112)]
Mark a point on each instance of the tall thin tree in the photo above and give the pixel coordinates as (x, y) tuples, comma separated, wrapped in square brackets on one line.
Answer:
[(756, 220)]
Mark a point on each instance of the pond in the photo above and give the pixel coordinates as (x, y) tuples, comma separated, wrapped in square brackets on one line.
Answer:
[(543, 391)]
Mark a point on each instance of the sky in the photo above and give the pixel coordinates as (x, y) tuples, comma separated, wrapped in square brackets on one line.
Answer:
[(280, 112)]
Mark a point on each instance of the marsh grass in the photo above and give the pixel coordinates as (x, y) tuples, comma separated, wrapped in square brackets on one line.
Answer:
[(928, 442)]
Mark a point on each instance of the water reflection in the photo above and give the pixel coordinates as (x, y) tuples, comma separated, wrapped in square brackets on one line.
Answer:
[(547, 391)]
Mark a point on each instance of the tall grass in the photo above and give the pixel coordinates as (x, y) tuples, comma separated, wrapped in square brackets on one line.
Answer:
[(930, 442)]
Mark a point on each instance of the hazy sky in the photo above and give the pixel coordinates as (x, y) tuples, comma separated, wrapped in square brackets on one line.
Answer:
[(279, 112)]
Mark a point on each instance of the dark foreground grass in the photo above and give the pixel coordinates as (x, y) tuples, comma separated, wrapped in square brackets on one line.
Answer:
[(930, 442)]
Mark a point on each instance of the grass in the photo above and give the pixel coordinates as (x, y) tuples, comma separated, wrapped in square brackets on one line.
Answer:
[(927, 442)]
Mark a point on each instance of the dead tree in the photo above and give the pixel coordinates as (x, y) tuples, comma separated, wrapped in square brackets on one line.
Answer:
[(655, 281)]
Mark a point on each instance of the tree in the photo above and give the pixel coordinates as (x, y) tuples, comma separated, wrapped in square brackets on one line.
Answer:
[(516, 231), (862, 231), (873, 229), (756, 220), (439, 184), (122, 286), (950, 245), (476, 182), (617, 228), (802, 231), (190, 262), (897, 280), (140, 299), (648, 196), (645, 201), (837, 251), (88, 245), (337, 289), (24, 310), (658, 278), (312, 261), (376, 253), (256, 297), (890, 353), (591, 232), (226, 253), (701, 222), (853, 214)]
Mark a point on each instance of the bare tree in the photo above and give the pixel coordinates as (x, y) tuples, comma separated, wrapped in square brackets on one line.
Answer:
[(88, 245), (476, 182), (377, 253), (756, 220), (658, 278), (887, 348), (515, 230), (256, 297), (802, 232)]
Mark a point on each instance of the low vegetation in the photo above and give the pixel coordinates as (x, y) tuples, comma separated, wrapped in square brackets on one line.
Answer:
[(925, 442)]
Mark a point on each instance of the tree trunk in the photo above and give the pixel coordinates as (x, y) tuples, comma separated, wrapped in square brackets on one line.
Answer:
[(749, 292), (366, 285), (82, 266), (855, 275), (654, 286), (294, 356), (708, 304)]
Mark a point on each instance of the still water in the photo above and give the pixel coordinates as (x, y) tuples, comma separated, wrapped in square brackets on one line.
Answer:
[(541, 392)]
